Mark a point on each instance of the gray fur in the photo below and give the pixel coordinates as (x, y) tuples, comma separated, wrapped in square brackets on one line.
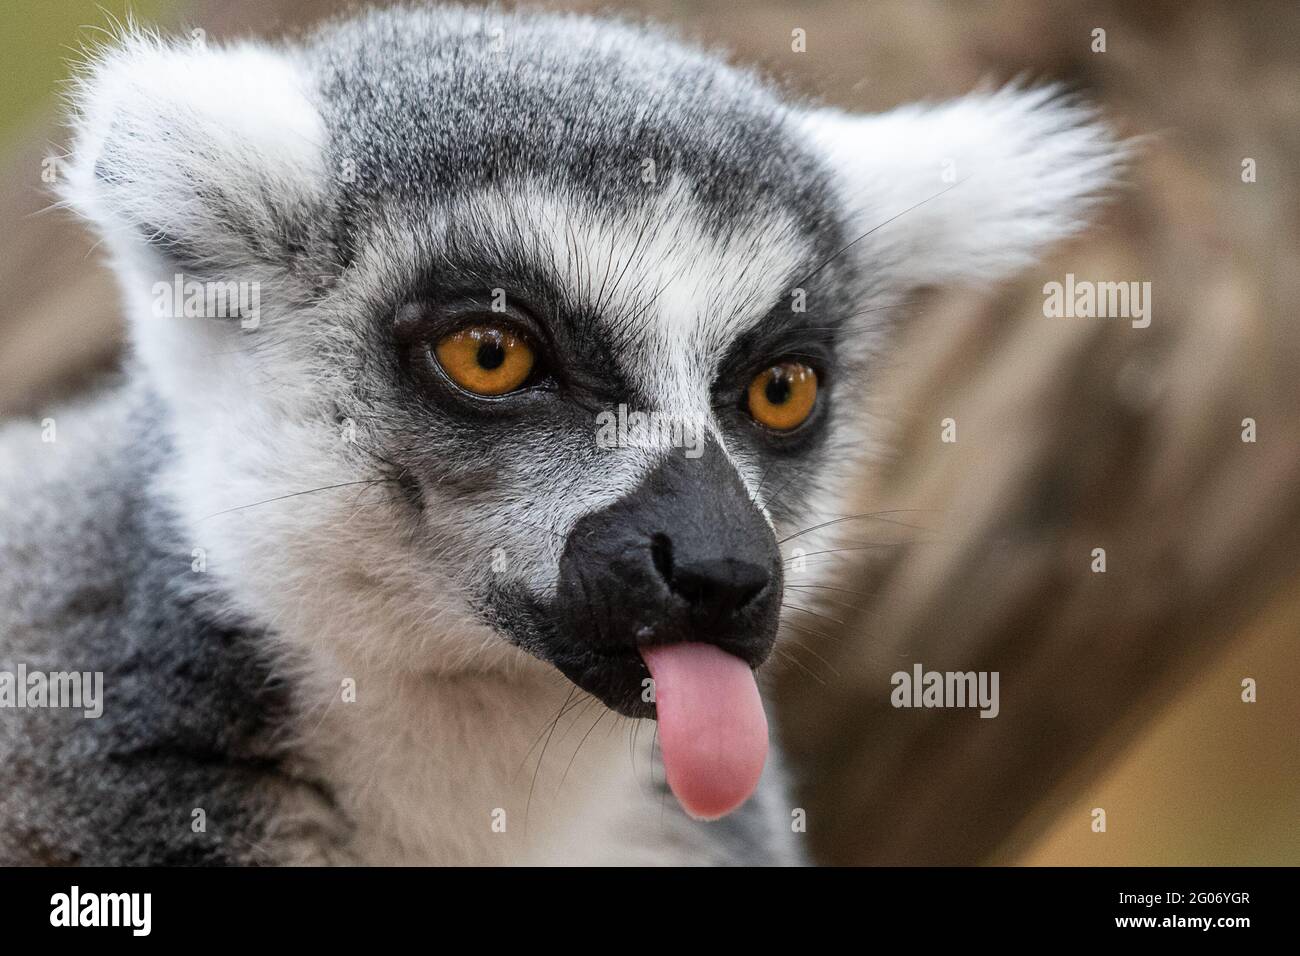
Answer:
[(411, 156), (98, 579), (430, 102)]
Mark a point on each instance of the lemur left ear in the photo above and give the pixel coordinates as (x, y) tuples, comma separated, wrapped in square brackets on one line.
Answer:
[(213, 157), (973, 189)]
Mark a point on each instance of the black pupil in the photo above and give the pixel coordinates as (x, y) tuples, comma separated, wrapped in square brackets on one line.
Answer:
[(491, 354), (778, 388)]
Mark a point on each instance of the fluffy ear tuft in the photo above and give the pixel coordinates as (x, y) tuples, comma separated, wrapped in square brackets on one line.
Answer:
[(973, 189), (213, 156)]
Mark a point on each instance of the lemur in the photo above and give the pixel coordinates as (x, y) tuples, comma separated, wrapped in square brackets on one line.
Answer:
[(363, 583)]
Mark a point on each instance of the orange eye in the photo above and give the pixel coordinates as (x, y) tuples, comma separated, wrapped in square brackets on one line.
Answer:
[(782, 397), (485, 360)]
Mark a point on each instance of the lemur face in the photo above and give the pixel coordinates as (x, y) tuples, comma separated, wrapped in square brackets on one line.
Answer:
[(594, 387), (592, 313), (549, 304), (596, 369)]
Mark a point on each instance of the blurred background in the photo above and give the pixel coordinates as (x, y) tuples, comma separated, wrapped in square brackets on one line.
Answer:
[(1120, 690)]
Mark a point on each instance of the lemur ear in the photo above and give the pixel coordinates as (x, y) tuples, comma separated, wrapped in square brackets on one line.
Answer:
[(973, 189), (213, 157)]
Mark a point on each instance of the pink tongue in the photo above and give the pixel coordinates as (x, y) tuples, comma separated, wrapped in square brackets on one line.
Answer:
[(712, 729)]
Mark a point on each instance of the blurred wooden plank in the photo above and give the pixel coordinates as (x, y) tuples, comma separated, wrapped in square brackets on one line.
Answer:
[(1073, 434), (1212, 779)]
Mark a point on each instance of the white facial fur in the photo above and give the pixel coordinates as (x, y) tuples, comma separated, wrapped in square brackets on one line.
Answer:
[(972, 190)]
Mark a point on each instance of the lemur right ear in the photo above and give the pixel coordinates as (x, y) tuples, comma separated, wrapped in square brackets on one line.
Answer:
[(970, 190), (213, 157)]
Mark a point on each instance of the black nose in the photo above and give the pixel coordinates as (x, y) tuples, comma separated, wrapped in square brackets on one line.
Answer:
[(714, 587), (686, 556)]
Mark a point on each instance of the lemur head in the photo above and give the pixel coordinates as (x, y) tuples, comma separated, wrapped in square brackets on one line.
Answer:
[(549, 328)]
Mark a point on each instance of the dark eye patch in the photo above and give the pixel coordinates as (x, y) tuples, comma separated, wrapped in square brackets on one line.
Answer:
[(576, 356), (806, 337)]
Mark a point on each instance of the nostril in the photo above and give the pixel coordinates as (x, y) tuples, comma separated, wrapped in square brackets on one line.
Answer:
[(661, 553), (723, 586), (693, 589), (747, 593), (717, 586)]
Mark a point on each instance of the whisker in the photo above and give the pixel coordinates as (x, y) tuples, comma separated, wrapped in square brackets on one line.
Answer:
[(295, 494), (882, 308), (827, 587), (805, 647), (878, 515), (599, 717), (528, 805), (845, 248), (826, 617), (867, 547), (789, 481), (538, 739), (810, 632), (844, 604), (799, 664)]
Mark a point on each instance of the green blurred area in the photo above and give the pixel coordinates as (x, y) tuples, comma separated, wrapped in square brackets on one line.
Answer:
[(40, 42)]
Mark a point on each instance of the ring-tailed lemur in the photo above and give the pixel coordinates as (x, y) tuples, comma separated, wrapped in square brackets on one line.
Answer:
[(480, 364)]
